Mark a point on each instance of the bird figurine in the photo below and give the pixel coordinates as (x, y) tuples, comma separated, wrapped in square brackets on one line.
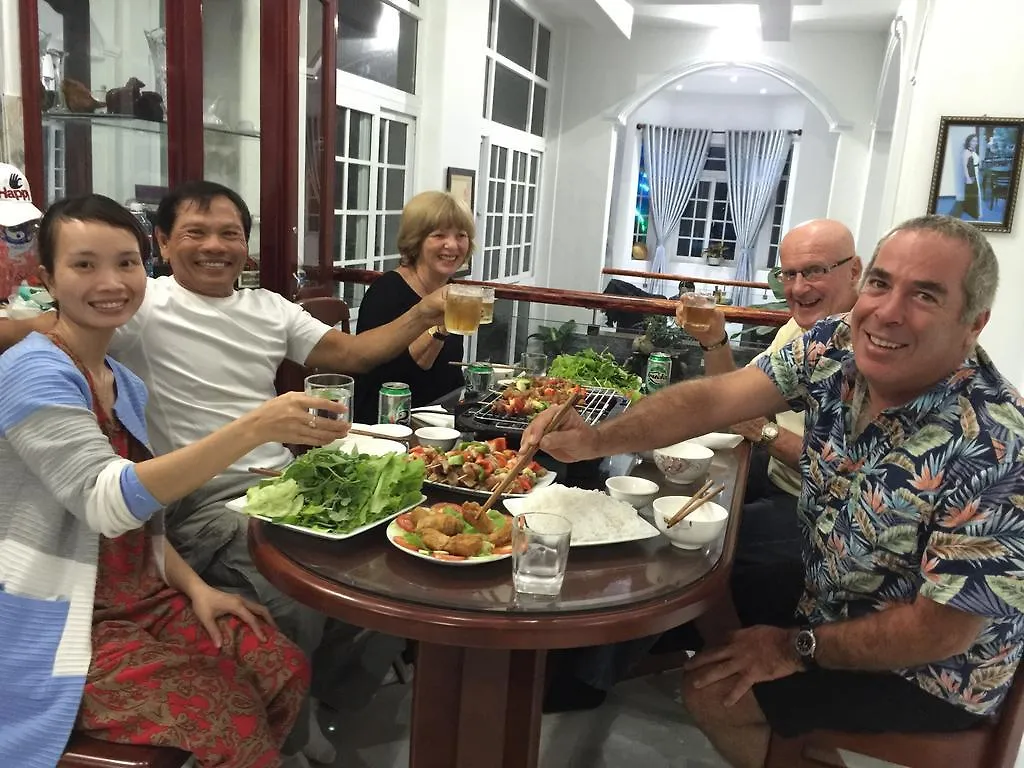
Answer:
[(78, 97), (150, 106), (121, 101)]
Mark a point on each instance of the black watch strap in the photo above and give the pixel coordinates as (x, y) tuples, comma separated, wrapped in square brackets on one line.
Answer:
[(712, 347)]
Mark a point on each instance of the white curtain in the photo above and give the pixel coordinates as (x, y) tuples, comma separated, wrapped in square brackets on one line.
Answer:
[(754, 161), (674, 159)]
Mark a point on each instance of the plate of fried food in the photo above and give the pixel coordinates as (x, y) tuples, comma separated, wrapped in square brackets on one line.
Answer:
[(453, 534)]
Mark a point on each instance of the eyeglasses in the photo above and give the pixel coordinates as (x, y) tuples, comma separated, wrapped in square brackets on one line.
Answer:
[(811, 273)]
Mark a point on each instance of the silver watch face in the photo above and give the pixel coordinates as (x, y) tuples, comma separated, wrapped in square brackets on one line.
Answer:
[(805, 642), (769, 431)]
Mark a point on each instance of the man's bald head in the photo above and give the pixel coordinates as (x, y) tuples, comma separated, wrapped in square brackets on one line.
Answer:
[(821, 243)]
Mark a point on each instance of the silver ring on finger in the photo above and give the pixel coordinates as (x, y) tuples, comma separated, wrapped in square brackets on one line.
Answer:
[(312, 421)]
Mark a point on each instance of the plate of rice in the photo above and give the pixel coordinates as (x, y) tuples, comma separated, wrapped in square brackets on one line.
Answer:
[(595, 516)]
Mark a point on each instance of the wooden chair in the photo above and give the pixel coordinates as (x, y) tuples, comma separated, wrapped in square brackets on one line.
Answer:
[(327, 309), (85, 752), (988, 746)]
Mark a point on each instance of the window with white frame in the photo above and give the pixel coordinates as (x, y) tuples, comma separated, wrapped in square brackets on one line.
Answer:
[(515, 105), (372, 182), (707, 217), (377, 40)]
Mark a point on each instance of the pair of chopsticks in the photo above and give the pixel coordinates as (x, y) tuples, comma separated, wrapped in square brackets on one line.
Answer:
[(707, 492), (526, 457), (496, 366), (378, 435), (265, 472)]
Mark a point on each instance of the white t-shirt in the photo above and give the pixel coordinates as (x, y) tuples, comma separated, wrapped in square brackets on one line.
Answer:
[(207, 361)]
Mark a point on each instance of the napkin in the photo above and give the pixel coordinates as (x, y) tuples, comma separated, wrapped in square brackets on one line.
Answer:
[(718, 441)]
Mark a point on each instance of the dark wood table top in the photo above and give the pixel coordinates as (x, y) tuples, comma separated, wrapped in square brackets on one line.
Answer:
[(610, 592)]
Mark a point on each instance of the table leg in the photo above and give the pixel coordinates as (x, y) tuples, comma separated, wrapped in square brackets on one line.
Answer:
[(475, 706)]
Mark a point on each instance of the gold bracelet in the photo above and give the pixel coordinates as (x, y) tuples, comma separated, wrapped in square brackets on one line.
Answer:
[(436, 333)]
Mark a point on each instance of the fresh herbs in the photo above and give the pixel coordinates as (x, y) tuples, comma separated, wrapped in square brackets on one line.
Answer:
[(336, 492), (596, 369)]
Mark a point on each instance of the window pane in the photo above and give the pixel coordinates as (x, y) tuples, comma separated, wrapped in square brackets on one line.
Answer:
[(534, 168), (721, 192), (515, 34), (357, 196), (361, 124), (356, 228), (395, 197), (718, 212), (543, 52), (701, 210), (398, 136), (378, 42), (391, 233), (540, 96), (511, 98), (527, 249)]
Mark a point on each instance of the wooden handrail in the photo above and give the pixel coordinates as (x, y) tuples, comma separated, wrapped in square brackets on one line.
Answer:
[(687, 278), (585, 299)]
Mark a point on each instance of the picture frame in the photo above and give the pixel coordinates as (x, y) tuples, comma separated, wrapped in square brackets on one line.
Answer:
[(977, 170), (461, 182)]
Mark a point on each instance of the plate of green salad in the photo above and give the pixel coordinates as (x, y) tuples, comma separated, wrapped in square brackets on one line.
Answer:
[(336, 495)]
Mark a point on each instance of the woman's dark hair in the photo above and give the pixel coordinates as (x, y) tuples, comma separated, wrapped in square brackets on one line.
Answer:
[(85, 208), (201, 193), (967, 141)]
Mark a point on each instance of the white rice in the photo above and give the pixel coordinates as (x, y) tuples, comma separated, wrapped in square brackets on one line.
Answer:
[(594, 515)]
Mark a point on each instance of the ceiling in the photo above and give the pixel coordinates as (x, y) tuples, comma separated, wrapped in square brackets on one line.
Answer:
[(731, 82), (774, 18)]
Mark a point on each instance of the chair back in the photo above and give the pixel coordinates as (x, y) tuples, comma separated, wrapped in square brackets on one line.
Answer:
[(328, 309)]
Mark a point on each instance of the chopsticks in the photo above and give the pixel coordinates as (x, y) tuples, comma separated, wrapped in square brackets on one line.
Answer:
[(707, 492), (265, 472), (496, 366), (371, 433), (525, 458)]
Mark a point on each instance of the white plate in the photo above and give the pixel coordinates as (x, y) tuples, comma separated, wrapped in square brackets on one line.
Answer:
[(642, 530), (394, 529), (542, 482), (374, 446), (238, 505)]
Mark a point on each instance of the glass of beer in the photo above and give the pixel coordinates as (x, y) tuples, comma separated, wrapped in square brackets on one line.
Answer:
[(463, 307), (487, 313), (331, 386), (697, 311)]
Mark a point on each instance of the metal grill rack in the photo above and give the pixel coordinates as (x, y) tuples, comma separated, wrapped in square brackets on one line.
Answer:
[(600, 403)]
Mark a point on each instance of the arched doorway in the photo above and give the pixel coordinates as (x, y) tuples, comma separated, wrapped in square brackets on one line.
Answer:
[(886, 103)]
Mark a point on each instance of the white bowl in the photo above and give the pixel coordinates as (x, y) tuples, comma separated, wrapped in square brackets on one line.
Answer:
[(696, 530), (632, 490), (399, 431), (374, 446), (441, 438), (683, 463)]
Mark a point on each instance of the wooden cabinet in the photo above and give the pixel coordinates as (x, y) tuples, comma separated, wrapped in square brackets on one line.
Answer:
[(129, 98)]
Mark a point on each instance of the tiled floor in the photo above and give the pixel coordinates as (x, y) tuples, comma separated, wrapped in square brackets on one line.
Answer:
[(641, 724)]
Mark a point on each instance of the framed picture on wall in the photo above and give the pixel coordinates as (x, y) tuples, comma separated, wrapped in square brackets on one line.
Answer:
[(977, 167), (461, 182)]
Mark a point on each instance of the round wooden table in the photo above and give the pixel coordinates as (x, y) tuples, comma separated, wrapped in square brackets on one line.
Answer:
[(479, 674)]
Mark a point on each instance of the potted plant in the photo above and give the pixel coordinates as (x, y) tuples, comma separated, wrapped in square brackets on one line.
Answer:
[(555, 341), (714, 254)]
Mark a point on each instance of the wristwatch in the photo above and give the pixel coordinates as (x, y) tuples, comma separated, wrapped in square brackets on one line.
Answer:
[(769, 432), (805, 644), (437, 333)]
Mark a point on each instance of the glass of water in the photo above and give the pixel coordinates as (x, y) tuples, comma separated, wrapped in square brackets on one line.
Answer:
[(331, 386), (532, 364), (540, 549)]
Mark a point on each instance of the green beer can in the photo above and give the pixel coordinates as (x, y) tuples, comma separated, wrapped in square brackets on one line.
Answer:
[(394, 403), (659, 372)]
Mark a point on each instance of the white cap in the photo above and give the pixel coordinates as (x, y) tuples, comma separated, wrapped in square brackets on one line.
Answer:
[(15, 198)]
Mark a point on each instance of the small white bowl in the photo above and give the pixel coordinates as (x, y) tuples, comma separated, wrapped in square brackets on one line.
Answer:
[(684, 462), (399, 431), (441, 438), (696, 530), (633, 490)]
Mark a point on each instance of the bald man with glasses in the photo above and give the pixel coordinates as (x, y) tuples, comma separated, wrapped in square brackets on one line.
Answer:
[(819, 272)]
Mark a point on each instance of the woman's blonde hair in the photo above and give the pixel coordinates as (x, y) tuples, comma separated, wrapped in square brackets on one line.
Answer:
[(428, 212)]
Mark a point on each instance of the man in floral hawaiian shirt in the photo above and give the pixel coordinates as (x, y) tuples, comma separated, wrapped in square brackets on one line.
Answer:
[(910, 615)]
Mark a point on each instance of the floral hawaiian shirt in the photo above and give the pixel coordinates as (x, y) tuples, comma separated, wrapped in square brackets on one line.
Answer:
[(928, 499)]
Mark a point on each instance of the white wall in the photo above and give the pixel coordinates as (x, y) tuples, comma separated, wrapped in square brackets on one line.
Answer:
[(811, 175), (603, 72), (968, 85)]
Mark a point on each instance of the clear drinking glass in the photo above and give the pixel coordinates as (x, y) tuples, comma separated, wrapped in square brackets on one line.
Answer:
[(532, 364), (331, 386), (697, 311), (487, 311), (463, 307), (540, 549)]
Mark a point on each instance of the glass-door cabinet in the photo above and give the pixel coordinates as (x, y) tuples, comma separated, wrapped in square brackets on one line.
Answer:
[(128, 98)]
